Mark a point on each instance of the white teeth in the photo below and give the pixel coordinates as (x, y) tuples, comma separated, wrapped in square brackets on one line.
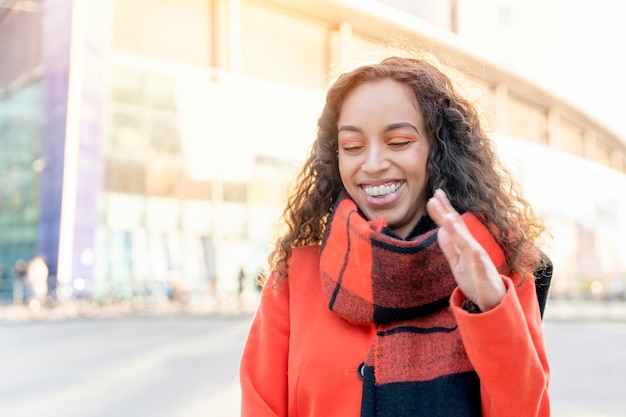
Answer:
[(381, 190)]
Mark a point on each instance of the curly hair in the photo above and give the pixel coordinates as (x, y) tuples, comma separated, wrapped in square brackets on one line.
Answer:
[(462, 162)]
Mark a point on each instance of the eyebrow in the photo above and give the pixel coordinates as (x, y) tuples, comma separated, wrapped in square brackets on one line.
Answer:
[(388, 128)]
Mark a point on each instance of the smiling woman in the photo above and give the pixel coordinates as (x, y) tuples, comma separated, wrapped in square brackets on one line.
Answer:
[(382, 153), (404, 283)]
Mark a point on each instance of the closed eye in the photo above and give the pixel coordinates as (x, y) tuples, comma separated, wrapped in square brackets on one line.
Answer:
[(351, 145), (400, 144), (352, 149)]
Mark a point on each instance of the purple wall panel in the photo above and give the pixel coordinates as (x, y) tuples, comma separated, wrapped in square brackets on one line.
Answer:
[(57, 23)]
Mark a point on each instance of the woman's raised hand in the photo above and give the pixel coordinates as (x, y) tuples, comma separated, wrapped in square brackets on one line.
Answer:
[(473, 270)]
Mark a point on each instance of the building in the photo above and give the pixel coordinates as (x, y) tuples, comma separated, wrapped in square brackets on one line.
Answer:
[(152, 142)]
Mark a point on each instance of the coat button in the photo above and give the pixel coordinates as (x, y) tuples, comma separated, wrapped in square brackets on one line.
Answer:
[(360, 370)]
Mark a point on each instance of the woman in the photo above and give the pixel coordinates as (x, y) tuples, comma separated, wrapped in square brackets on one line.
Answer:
[(403, 285)]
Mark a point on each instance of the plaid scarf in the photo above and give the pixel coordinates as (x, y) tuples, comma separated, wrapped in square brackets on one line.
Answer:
[(417, 365)]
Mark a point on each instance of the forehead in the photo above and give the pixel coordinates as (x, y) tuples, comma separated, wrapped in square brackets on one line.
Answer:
[(387, 101)]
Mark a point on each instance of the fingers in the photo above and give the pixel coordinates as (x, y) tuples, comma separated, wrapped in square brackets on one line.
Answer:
[(439, 207), (445, 216), (435, 207)]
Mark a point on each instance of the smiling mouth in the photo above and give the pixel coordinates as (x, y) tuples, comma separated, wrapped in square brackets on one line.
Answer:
[(382, 190)]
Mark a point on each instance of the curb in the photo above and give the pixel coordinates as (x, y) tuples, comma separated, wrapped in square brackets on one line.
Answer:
[(89, 310)]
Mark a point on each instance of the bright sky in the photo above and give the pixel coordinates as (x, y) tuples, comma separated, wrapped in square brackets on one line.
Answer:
[(572, 47)]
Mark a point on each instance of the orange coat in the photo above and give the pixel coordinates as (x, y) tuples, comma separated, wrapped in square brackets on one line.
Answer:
[(301, 359)]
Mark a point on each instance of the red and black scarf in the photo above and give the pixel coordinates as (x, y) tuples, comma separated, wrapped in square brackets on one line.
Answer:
[(417, 365)]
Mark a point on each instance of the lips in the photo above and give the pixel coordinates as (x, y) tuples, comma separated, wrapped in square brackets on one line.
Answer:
[(383, 189)]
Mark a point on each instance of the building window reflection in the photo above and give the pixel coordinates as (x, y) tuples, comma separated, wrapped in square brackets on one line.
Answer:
[(20, 133)]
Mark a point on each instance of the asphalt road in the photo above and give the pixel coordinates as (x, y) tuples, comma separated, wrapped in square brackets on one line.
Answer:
[(588, 362), (128, 367), (187, 366)]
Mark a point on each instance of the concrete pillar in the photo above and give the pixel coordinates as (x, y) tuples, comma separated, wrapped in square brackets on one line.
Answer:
[(554, 128), (502, 108), (617, 159), (590, 143), (234, 20), (345, 44)]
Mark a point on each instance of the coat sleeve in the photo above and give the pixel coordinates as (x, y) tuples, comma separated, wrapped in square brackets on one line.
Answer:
[(264, 362), (506, 348)]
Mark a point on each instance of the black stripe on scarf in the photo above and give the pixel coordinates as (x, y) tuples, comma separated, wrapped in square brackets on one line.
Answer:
[(413, 329), (333, 298), (390, 314)]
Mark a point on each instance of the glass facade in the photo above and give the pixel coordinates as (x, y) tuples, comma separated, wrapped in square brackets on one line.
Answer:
[(194, 169), (20, 165), (20, 45)]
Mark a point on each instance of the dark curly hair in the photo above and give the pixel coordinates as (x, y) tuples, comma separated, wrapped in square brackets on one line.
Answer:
[(462, 162)]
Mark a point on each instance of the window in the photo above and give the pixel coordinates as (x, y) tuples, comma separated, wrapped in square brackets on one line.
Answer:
[(283, 48), (572, 137), (125, 176), (527, 121), (178, 30), (21, 46)]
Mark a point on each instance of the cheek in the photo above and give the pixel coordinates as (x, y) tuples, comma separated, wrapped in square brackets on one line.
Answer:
[(346, 169), (342, 173), (422, 162)]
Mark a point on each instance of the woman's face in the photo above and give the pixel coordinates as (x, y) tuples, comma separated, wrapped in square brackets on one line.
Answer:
[(382, 153)]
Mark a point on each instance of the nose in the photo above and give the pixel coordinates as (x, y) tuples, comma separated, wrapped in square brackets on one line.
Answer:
[(375, 160)]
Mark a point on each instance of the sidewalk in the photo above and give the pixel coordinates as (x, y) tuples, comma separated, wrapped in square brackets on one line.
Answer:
[(228, 304), (74, 309), (585, 310)]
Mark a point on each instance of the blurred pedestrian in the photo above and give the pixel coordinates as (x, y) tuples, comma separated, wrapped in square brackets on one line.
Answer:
[(241, 276), (37, 273), (241, 280), (21, 291), (403, 285)]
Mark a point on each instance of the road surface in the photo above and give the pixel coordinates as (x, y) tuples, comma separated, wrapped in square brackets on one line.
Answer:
[(170, 366)]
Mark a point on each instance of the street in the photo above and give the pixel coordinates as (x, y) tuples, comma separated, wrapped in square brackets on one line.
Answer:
[(169, 366), (588, 360), (124, 367)]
